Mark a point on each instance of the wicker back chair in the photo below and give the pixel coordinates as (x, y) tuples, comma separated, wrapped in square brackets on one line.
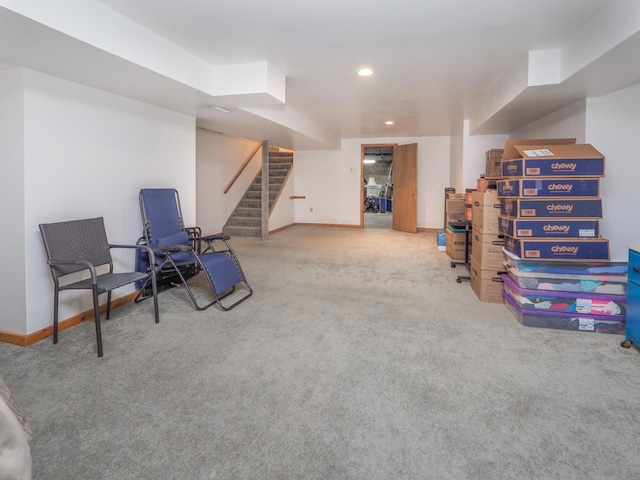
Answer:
[(81, 245)]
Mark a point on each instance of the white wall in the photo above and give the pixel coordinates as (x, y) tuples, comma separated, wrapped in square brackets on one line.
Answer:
[(87, 153), (284, 214), (612, 126), (475, 155), (456, 170), (13, 252), (330, 181), (568, 122), (219, 158)]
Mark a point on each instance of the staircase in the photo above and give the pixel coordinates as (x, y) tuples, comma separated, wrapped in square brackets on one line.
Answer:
[(246, 219)]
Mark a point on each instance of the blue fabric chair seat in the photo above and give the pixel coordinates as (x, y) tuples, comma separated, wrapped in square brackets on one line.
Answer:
[(164, 228)]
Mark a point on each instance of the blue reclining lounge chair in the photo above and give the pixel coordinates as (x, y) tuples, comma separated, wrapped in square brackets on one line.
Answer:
[(181, 252)]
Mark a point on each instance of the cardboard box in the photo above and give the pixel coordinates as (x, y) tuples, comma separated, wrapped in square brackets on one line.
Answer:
[(486, 282), (549, 187), (456, 243), (488, 198), (454, 205), (510, 152), (487, 249), (485, 184), (551, 208), (549, 228), (569, 249), (493, 166), (468, 197), (485, 211), (580, 160), (456, 219), (468, 214)]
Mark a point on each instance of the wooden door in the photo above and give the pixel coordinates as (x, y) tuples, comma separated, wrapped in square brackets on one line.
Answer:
[(405, 187)]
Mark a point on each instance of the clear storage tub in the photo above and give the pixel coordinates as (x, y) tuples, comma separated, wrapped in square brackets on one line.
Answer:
[(564, 321), (614, 306), (606, 278)]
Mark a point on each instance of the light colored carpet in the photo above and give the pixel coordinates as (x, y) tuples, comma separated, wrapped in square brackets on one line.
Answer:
[(378, 220), (358, 357)]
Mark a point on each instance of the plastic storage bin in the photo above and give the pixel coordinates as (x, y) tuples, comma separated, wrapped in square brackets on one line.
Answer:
[(442, 240), (564, 321), (609, 278), (613, 306), (585, 267)]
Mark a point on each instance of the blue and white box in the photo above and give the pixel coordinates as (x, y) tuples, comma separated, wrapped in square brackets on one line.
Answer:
[(551, 208), (549, 228), (558, 249), (580, 160), (549, 187)]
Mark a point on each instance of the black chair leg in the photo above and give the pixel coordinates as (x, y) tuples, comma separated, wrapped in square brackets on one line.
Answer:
[(108, 305), (154, 289), (96, 313), (55, 316)]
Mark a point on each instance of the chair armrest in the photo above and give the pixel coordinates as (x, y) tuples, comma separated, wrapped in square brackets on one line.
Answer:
[(138, 247), (172, 248), (89, 265), (213, 238)]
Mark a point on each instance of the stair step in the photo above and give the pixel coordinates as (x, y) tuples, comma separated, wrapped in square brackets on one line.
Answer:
[(250, 203), (246, 220), (257, 195), (237, 221), (250, 212), (278, 174), (273, 187)]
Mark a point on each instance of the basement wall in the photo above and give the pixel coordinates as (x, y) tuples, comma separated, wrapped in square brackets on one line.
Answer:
[(611, 124), (331, 181), (83, 153), (219, 159)]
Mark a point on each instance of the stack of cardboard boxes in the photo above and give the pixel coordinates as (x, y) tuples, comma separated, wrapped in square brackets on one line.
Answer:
[(455, 228), (550, 203), (487, 256), (550, 208)]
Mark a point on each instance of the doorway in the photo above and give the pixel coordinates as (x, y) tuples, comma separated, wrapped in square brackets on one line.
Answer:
[(377, 186)]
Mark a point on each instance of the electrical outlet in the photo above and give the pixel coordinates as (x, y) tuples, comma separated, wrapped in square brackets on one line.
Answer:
[(311, 209)]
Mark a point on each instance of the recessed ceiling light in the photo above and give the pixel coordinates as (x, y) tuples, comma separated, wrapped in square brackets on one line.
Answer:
[(365, 72), (368, 160), (389, 122)]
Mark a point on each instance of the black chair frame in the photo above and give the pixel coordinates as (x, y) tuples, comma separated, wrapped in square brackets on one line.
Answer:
[(174, 260), (81, 245)]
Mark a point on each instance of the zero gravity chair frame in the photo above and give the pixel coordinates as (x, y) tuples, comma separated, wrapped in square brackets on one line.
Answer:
[(179, 252)]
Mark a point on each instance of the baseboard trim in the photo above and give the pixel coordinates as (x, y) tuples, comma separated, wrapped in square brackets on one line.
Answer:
[(24, 340), (276, 230), (420, 230), (328, 225)]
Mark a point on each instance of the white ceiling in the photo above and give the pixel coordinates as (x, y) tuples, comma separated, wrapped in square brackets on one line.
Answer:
[(436, 63)]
